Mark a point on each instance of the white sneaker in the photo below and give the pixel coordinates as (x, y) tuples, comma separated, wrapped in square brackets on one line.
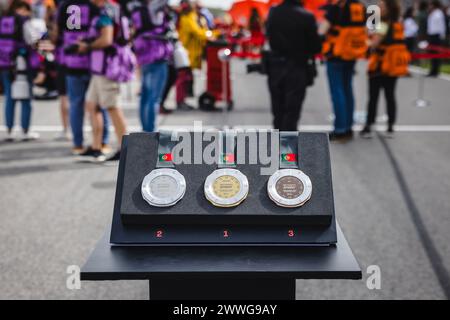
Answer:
[(63, 136), (10, 137), (30, 136)]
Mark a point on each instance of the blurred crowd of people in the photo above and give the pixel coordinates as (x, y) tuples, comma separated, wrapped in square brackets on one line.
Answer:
[(344, 36), (82, 50), (427, 21)]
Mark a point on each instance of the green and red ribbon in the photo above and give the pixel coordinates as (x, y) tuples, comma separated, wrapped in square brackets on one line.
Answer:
[(228, 158), (165, 157), (289, 157)]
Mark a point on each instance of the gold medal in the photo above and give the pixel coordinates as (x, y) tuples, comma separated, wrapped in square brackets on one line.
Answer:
[(226, 187)]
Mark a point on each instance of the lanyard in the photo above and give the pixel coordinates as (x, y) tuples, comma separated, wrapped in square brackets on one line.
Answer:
[(227, 147), (165, 147), (288, 150)]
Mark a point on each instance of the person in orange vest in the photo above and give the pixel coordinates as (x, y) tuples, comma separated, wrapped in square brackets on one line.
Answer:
[(344, 28), (388, 60)]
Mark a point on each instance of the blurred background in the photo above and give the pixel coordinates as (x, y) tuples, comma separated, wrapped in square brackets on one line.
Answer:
[(391, 193)]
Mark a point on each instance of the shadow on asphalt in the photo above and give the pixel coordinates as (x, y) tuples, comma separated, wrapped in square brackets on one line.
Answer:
[(34, 153), (15, 171), (103, 185)]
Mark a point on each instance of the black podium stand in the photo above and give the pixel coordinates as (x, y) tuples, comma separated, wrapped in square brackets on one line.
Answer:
[(191, 263), (211, 273)]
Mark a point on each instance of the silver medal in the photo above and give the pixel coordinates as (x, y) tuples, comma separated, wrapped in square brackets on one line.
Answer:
[(163, 187)]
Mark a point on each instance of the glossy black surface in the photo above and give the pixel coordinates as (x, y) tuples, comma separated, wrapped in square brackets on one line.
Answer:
[(118, 263)]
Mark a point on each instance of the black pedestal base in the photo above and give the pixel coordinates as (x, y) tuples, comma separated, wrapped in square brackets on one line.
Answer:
[(220, 273), (222, 289)]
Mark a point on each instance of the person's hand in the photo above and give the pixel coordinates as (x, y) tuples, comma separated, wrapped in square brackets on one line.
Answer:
[(40, 78), (83, 47)]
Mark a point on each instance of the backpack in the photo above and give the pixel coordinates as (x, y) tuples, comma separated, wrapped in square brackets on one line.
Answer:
[(121, 64), (395, 60)]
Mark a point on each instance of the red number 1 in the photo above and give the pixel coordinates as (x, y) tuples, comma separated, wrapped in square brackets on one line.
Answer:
[(225, 234)]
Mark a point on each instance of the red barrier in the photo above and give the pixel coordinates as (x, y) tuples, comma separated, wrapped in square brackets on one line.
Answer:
[(439, 52), (246, 55), (425, 56), (438, 49), (434, 52)]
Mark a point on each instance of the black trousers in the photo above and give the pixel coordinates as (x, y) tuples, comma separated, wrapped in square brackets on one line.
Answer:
[(171, 79), (287, 86), (376, 84), (411, 44), (435, 40)]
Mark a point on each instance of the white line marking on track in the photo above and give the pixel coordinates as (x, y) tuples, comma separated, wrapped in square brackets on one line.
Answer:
[(320, 128)]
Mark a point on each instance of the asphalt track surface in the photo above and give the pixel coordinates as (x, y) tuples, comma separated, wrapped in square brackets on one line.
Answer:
[(392, 196)]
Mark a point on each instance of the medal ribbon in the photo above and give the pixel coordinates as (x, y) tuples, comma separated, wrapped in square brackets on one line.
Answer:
[(288, 150), (165, 147), (227, 147)]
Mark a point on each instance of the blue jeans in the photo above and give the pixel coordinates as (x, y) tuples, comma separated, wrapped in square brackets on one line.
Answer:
[(10, 104), (154, 78), (340, 79), (77, 86)]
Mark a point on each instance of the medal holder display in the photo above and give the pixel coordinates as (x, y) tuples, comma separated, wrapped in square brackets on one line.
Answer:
[(164, 186), (226, 187), (195, 220)]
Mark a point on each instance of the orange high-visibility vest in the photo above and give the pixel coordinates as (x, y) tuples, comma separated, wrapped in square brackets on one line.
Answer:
[(392, 57), (347, 39)]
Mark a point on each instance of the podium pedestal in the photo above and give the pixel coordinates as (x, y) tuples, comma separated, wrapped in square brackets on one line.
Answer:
[(223, 289), (214, 273)]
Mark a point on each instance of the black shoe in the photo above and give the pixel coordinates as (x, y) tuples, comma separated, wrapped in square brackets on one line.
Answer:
[(390, 132), (89, 151), (432, 75), (115, 157), (339, 137), (163, 110), (366, 133), (349, 134), (184, 107), (91, 155)]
